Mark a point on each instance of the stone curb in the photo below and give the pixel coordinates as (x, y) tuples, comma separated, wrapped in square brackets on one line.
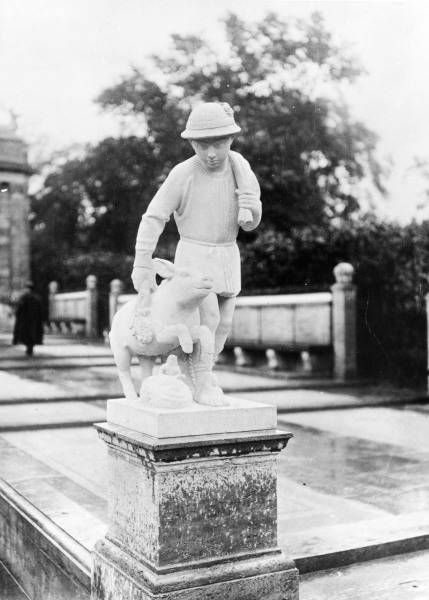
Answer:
[(40, 426), (56, 363), (35, 533), (423, 400), (94, 397), (357, 404), (342, 558)]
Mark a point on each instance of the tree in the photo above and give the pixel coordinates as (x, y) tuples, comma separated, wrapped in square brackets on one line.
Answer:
[(282, 80)]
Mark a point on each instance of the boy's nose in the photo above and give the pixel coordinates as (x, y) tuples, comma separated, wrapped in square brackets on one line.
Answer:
[(211, 151)]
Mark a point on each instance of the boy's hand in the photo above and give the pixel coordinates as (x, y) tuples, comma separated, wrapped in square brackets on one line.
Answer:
[(143, 277), (248, 199), (248, 204)]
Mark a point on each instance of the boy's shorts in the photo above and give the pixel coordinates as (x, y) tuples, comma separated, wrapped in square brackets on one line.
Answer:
[(219, 261)]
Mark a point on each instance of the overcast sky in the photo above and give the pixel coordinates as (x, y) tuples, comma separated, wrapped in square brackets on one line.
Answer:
[(57, 55)]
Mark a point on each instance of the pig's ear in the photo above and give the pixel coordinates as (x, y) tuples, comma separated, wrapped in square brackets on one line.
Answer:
[(164, 268)]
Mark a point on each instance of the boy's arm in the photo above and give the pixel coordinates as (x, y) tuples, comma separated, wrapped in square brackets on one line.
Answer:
[(164, 203), (250, 198), (248, 192)]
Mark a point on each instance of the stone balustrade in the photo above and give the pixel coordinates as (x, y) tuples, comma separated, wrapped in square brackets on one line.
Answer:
[(74, 312), (319, 328), (309, 332), (292, 321)]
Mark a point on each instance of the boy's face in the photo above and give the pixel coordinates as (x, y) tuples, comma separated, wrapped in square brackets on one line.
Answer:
[(212, 152)]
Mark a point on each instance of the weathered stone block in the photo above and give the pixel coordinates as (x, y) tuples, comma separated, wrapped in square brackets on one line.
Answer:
[(116, 575), (192, 517)]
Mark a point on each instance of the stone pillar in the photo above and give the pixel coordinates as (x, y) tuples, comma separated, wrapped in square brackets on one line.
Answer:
[(14, 210), (5, 266), (427, 337), (344, 322), (19, 240), (116, 288), (53, 290), (91, 317), (192, 517)]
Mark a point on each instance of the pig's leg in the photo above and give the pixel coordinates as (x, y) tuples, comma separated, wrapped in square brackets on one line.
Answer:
[(146, 366), (176, 333), (146, 370), (122, 356)]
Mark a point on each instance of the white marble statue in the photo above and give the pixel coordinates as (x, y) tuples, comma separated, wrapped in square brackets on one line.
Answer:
[(211, 195), (171, 322)]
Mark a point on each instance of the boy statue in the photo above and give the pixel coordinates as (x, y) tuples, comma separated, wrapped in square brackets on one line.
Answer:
[(211, 195)]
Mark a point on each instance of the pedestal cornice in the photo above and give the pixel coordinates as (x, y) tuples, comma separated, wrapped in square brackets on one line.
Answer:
[(169, 450)]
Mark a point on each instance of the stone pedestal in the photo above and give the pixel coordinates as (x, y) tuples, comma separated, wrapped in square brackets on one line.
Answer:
[(193, 517)]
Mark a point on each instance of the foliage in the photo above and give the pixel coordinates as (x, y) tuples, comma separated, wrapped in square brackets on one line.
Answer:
[(96, 201), (391, 263), (282, 80)]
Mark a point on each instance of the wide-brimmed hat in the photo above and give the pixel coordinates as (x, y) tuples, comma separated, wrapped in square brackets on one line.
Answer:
[(210, 119)]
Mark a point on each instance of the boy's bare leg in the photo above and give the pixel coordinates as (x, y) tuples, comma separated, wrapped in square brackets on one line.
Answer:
[(209, 312), (226, 313), (206, 390)]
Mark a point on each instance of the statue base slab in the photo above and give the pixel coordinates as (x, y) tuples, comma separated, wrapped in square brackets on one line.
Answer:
[(196, 419), (192, 518), (117, 575)]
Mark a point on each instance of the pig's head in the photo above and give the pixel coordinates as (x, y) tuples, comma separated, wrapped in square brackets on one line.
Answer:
[(186, 285)]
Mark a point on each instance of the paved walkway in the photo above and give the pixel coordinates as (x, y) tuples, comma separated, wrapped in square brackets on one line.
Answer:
[(396, 578), (353, 484), (69, 370), (340, 486)]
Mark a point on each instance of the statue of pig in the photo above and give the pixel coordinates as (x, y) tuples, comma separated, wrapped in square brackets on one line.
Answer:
[(170, 324)]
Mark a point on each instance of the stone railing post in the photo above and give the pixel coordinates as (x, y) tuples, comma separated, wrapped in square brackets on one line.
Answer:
[(91, 317), (344, 322), (116, 288), (53, 290)]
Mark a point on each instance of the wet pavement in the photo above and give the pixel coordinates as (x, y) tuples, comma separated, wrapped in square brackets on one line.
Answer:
[(390, 476), (74, 368), (336, 491), (403, 577), (351, 480)]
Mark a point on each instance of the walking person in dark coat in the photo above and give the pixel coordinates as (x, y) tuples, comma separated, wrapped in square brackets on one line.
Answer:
[(28, 328)]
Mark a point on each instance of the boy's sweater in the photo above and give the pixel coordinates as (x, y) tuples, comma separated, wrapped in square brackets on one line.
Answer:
[(204, 204)]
